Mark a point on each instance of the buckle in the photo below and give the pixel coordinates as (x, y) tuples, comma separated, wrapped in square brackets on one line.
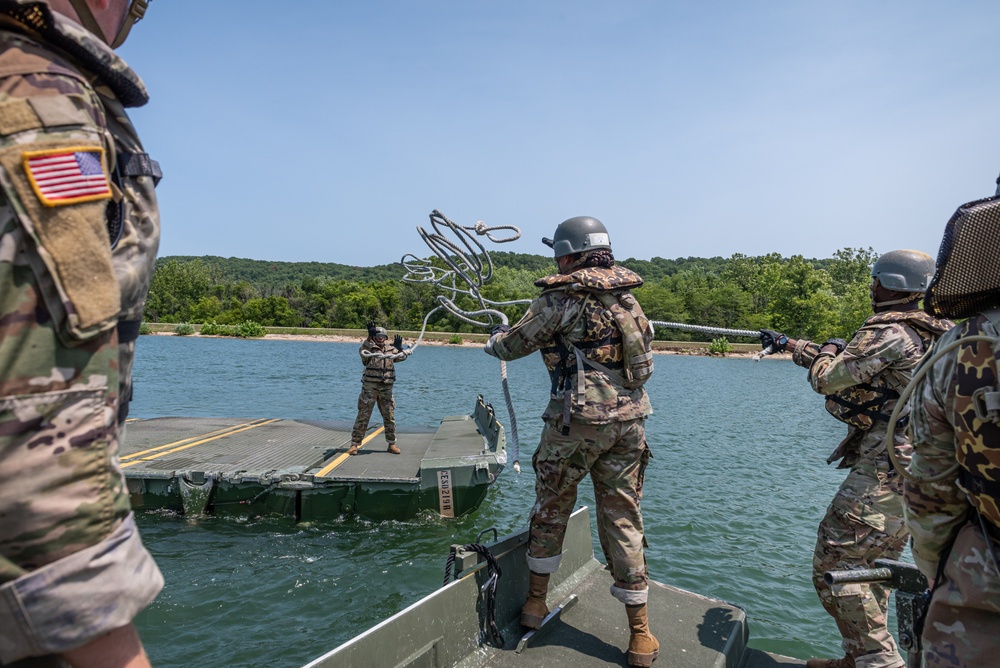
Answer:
[(986, 403)]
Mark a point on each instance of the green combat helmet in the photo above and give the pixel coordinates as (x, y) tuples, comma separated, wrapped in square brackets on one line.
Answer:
[(904, 270), (578, 235)]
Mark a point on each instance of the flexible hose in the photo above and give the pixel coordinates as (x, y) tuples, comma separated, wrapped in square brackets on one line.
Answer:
[(904, 397)]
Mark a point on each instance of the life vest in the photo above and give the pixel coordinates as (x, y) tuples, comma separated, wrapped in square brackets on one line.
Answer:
[(864, 404), (976, 420), (378, 369), (617, 336)]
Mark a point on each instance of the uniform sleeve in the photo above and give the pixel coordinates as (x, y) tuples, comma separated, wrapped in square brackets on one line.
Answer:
[(934, 511), (871, 351), (805, 352), (537, 329)]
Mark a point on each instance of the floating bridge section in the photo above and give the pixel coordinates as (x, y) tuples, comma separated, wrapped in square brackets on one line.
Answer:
[(301, 468)]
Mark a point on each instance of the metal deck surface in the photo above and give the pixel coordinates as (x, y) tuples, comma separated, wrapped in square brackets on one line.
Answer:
[(449, 628), (158, 447)]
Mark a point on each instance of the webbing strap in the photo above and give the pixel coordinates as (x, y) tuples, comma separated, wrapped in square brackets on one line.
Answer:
[(139, 164)]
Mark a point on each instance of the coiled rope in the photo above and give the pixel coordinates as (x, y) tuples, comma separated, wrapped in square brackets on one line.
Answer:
[(489, 588), (468, 267)]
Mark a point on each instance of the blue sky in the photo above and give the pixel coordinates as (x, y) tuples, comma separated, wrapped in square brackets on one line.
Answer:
[(327, 131)]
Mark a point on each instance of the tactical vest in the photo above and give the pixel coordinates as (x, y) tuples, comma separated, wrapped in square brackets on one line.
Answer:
[(976, 420), (616, 334), (377, 369), (864, 404)]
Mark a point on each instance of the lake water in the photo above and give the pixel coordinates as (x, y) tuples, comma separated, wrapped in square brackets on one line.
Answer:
[(733, 495)]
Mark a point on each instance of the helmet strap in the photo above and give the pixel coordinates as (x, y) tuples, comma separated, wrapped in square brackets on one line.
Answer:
[(87, 18), (136, 10)]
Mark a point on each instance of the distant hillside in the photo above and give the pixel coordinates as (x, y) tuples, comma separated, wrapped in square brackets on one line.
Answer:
[(269, 275)]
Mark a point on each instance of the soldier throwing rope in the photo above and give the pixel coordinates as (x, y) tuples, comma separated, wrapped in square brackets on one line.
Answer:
[(376, 385), (594, 340), (862, 381)]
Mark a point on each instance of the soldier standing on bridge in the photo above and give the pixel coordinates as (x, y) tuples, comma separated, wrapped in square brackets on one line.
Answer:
[(376, 385), (862, 381), (595, 342), (955, 520), (79, 231)]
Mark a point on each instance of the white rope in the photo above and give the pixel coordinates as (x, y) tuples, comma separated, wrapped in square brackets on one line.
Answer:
[(468, 268)]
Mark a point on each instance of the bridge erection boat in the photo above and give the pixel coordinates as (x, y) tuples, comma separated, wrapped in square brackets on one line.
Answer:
[(301, 468), (474, 620)]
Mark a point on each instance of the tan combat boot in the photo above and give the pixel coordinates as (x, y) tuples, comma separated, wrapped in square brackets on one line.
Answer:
[(353, 450), (642, 646), (844, 662), (393, 449), (535, 610)]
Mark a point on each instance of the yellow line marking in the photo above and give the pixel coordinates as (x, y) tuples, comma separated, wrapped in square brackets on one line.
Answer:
[(204, 440), (217, 432), (343, 456)]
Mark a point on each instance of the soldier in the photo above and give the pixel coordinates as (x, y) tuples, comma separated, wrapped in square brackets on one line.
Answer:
[(79, 231), (955, 519), (376, 385), (862, 381), (595, 343)]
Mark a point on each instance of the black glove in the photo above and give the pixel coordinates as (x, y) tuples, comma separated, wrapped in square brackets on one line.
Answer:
[(840, 343), (499, 329), (776, 341), (397, 343), (371, 328)]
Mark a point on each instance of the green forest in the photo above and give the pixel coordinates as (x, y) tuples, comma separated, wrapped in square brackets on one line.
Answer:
[(814, 298)]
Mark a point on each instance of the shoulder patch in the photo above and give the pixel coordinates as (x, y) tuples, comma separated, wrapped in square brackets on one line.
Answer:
[(71, 175), (864, 338), (17, 116)]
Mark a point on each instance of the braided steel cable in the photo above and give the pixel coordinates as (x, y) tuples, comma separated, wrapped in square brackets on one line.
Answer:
[(468, 267), (722, 331)]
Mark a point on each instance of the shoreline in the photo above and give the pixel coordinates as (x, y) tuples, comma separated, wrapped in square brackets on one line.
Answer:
[(689, 348)]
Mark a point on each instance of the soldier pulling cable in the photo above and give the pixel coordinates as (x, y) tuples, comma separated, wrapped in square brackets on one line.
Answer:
[(862, 381), (469, 267)]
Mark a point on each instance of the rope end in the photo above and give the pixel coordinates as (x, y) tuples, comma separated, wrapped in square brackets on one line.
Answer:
[(517, 467)]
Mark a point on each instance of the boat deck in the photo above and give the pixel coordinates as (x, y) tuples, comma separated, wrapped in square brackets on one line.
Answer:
[(301, 467), (450, 627)]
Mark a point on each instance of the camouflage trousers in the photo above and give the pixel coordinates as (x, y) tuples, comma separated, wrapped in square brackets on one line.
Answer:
[(64, 507), (615, 455), (372, 394), (863, 523), (962, 627)]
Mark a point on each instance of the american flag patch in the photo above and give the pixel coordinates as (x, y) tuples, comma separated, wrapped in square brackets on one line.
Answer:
[(67, 175)]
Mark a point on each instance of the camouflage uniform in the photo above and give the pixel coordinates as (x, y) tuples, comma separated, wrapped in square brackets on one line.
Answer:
[(605, 433), (962, 627), (864, 521), (72, 565), (376, 388)]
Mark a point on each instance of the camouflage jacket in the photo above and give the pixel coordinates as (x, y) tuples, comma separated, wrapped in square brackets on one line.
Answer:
[(380, 362), (563, 315), (864, 381), (946, 431), (64, 93)]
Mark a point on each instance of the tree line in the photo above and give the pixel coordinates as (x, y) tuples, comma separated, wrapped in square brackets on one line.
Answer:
[(816, 299)]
